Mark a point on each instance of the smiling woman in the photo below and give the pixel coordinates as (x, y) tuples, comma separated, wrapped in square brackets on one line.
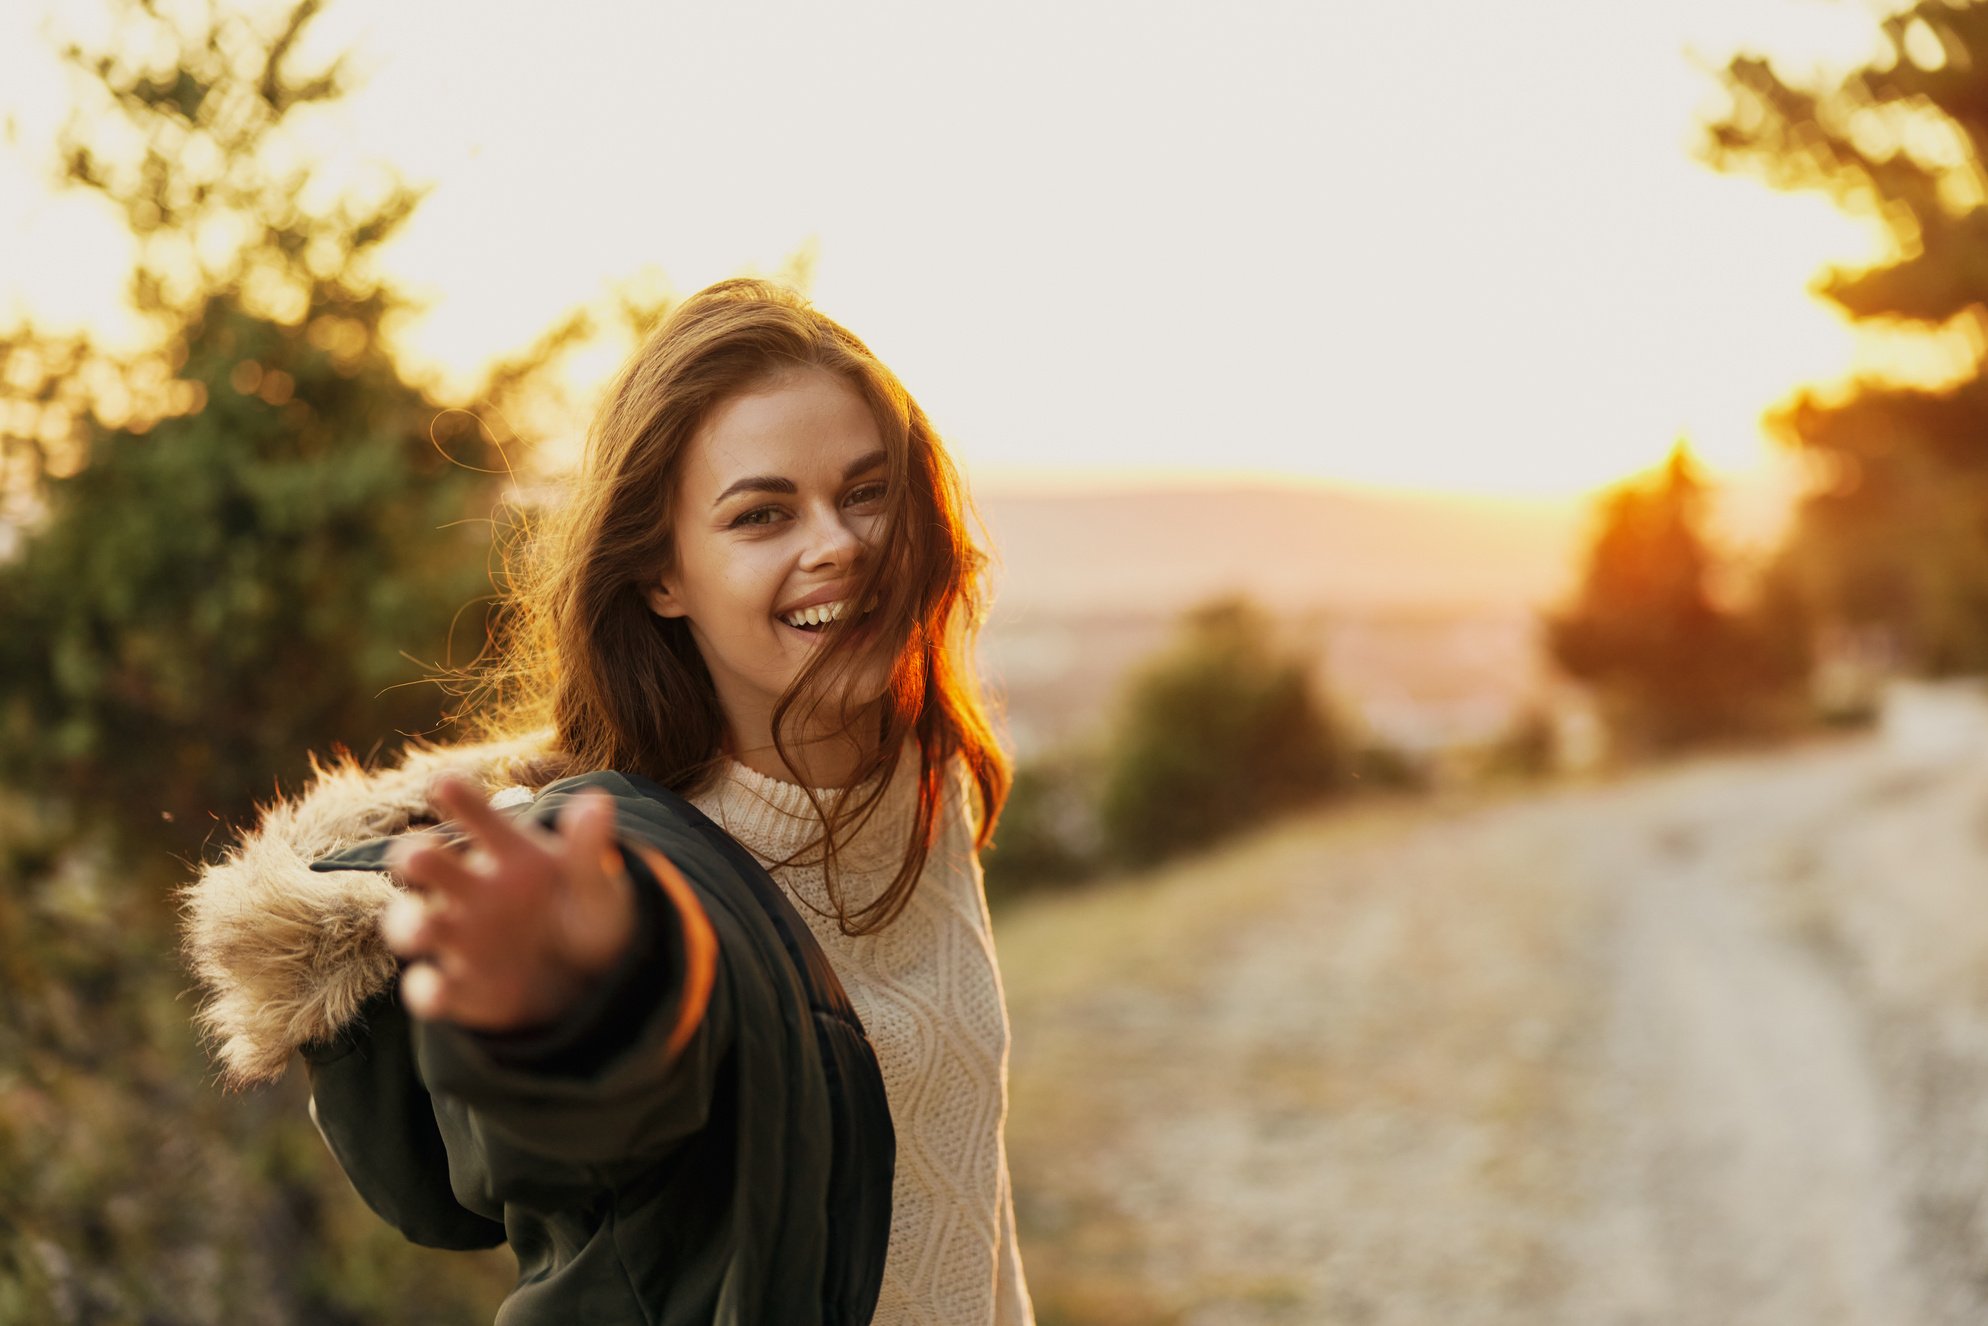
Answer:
[(707, 1025), (782, 495)]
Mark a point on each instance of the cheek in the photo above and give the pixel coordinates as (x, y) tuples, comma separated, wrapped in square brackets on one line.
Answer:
[(869, 530), (740, 589)]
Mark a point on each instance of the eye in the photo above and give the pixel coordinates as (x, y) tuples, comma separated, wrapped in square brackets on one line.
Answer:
[(759, 515), (867, 494)]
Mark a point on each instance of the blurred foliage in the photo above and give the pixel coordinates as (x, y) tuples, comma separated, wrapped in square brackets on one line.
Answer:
[(1219, 732), (205, 600), (250, 539), (1048, 835), (1673, 666), (1895, 538), (247, 538), (1526, 750), (1377, 767)]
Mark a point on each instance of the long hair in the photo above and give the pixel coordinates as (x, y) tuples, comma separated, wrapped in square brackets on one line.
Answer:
[(579, 650)]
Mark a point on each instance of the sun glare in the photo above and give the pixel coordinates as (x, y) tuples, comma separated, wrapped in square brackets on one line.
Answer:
[(1483, 262)]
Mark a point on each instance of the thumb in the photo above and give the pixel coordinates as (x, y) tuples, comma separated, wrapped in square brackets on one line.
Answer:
[(587, 825), (597, 914)]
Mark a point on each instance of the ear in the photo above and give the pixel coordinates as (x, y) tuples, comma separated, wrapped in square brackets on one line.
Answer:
[(662, 602)]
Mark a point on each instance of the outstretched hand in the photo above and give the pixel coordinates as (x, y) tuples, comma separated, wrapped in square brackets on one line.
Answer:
[(505, 932)]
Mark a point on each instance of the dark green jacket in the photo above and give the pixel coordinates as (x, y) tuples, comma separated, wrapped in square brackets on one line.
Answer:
[(744, 1179)]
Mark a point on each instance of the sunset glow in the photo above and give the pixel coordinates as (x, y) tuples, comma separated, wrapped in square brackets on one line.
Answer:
[(1279, 239)]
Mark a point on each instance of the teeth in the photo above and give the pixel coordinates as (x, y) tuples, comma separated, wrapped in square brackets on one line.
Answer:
[(815, 616), (824, 612)]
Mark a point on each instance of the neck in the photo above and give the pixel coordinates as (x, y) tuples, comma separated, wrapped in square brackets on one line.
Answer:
[(829, 760)]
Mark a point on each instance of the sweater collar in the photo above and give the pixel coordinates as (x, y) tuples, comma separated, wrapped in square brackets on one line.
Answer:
[(776, 821)]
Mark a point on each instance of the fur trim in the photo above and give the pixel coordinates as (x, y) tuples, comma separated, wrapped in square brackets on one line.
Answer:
[(286, 955)]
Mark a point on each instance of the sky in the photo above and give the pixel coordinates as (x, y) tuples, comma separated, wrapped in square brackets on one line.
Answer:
[(1453, 247)]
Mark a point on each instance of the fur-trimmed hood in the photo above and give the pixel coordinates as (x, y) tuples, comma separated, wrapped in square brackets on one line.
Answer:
[(286, 955)]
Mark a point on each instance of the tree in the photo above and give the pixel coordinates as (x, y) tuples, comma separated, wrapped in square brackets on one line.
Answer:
[(236, 545), (1897, 536), (1673, 665), (253, 534), (1219, 732)]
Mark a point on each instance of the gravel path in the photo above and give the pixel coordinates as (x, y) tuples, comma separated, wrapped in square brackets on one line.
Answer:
[(1741, 1168), (1708, 1045)]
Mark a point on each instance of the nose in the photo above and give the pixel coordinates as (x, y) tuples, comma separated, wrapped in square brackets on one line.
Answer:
[(833, 542)]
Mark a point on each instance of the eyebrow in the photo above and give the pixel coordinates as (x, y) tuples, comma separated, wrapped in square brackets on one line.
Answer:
[(773, 483)]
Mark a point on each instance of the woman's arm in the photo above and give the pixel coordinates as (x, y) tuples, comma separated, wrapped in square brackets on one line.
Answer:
[(563, 1013), (373, 1111), (623, 1076)]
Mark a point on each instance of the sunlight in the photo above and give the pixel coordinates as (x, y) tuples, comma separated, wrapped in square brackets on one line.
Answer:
[(1524, 286)]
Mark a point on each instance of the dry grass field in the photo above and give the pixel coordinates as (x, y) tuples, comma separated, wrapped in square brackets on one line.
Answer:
[(1707, 1044)]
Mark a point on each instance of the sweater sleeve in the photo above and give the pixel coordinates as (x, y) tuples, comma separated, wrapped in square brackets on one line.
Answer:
[(1012, 1305)]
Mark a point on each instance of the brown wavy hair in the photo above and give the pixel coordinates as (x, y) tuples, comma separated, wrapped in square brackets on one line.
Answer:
[(579, 650)]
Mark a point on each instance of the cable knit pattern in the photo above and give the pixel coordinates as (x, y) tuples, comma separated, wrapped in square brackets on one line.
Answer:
[(929, 993)]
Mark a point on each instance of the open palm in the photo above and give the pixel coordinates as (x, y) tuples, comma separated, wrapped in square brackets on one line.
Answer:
[(504, 932)]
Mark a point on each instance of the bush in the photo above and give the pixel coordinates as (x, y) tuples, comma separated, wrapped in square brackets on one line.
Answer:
[(1220, 731), (1048, 834)]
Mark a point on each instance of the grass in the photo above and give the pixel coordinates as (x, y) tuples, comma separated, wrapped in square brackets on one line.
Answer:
[(1265, 1082)]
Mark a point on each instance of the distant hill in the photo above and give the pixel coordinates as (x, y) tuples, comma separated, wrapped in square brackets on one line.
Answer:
[(1297, 549)]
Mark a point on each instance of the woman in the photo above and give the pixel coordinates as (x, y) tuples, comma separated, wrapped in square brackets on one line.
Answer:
[(579, 1015)]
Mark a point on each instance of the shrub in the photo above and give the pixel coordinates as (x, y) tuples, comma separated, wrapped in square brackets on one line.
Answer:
[(1048, 834), (1218, 732)]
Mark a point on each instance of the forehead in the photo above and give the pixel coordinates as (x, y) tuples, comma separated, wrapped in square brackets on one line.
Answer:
[(802, 426)]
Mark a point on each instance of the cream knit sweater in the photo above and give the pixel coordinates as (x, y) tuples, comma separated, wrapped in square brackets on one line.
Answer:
[(929, 993)]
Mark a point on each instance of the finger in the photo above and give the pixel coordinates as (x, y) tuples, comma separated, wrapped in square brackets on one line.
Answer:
[(496, 833), (404, 926), (395, 860), (423, 930), (596, 913), (424, 993), (428, 865), (587, 825)]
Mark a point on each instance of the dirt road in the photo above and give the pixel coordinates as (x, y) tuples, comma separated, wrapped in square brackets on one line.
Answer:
[(1708, 1045)]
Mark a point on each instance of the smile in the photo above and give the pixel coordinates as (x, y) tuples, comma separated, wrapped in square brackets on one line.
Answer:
[(813, 619)]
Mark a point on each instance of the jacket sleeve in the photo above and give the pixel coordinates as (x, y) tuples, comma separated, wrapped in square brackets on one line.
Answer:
[(380, 1124), (545, 1118), (620, 1082)]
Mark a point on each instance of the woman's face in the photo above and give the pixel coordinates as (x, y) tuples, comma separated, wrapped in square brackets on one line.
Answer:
[(780, 495)]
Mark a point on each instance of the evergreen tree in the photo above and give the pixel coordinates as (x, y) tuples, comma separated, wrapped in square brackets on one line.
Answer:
[(1672, 664), (1897, 537)]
